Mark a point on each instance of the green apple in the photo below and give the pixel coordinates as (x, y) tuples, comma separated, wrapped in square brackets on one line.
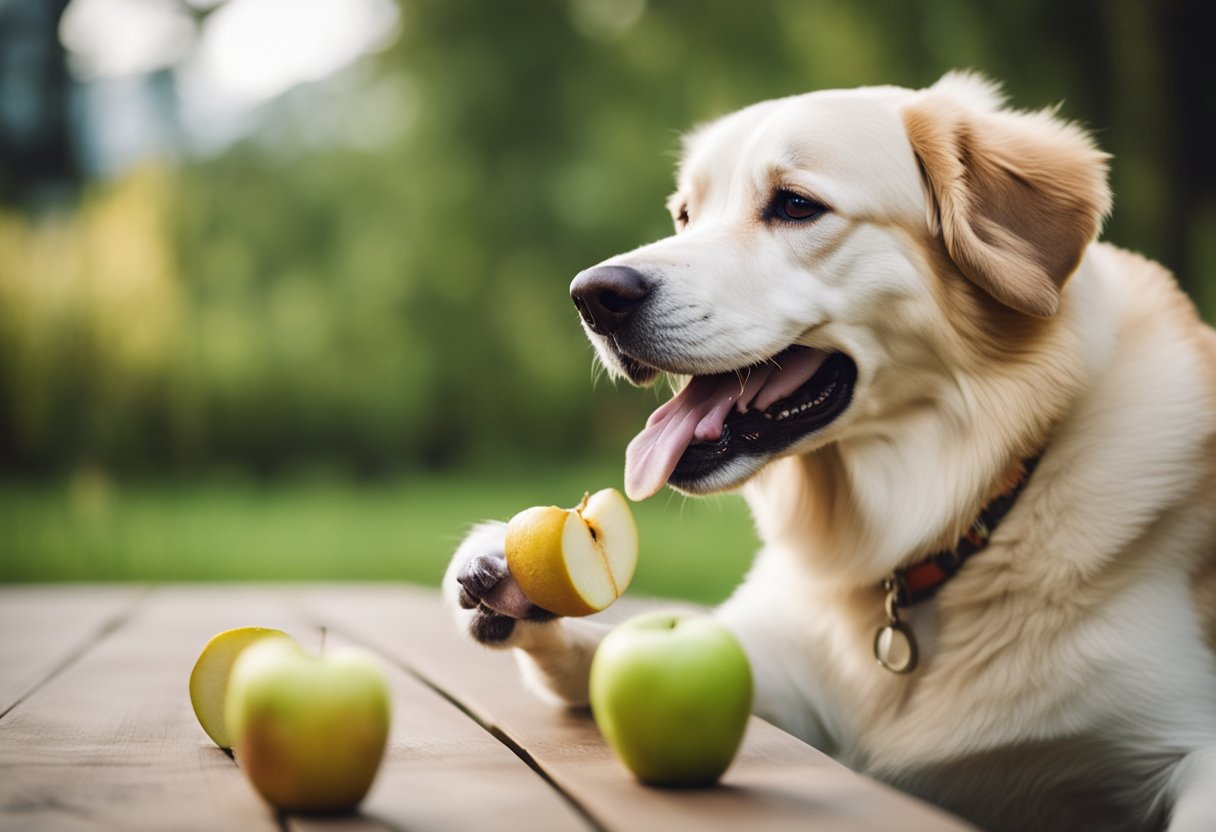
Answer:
[(308, 732), (209, 679), (671, 693)]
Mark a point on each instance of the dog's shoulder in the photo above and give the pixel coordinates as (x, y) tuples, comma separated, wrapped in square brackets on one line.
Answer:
[(1157, 311), (1155, 304)]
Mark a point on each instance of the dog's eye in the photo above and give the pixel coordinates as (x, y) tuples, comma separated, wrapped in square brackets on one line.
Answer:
[(682, 217), (788, 205)]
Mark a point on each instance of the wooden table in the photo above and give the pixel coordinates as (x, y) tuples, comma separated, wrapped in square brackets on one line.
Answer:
[(96, 729)]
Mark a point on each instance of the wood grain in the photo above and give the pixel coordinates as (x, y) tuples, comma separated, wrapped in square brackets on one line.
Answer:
[(42, 628), (444, 772), (111, 742), (105, 737), (776, 783)]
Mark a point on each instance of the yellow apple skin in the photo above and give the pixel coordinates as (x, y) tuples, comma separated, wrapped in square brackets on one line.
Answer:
[(566, 561), (309, 733), (537, 563), (209, 678)]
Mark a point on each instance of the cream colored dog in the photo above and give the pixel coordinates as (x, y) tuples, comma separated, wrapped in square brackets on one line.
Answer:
[(886, 299)]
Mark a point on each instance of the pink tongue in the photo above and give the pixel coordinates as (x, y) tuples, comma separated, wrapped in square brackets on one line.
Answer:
[(698, 412)]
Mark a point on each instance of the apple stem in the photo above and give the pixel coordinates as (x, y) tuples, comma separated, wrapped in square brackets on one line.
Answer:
[(582, 503), (324, 633)]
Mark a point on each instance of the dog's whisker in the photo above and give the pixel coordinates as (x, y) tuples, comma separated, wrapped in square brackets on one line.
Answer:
[(598, 371), (744, 376)]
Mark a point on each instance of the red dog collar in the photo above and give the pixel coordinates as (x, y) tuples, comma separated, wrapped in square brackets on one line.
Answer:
[(894, 645)]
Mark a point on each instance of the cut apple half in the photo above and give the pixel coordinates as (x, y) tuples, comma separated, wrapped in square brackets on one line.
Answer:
[(574, 561), (209, 679)]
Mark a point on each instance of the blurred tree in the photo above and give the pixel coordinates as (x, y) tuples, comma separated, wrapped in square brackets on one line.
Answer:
[(377, 277)]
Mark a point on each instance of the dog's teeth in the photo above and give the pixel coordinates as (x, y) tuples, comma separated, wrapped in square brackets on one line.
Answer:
[(823, 396)]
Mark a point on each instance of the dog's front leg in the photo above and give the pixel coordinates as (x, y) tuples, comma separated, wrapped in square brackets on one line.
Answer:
[(554, 653), (1194, 792), (786, 648)]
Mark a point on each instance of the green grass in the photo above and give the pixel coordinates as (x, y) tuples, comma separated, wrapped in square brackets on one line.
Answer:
[(89, 528)]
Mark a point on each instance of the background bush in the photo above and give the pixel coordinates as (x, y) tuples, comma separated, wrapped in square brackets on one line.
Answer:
[(315, 296)]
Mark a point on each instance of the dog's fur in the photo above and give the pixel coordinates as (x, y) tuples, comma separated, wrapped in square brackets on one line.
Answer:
[(1067, 677)]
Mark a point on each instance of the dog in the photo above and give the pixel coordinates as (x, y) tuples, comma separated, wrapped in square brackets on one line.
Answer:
[(979, 447)]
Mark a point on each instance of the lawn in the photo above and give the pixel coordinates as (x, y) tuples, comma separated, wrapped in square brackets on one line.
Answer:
[(89, 528)]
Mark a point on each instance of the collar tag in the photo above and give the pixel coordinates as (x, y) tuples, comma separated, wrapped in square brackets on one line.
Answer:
[(894, 644)]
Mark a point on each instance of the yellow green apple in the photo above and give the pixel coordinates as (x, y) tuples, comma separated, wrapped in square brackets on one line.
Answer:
[(308, 732), (574, 561), (671, 693), (209, 679)]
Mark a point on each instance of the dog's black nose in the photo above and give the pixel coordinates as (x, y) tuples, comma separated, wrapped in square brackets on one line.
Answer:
[(606, 296)]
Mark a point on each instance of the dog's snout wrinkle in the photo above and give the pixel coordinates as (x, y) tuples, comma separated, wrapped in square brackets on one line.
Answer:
[(607, 296)]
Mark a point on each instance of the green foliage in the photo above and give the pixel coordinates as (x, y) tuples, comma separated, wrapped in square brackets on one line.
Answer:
[(90, 528), (377, 279)]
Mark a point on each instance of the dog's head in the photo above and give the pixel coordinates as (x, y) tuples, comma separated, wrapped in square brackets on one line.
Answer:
[(837, 257)]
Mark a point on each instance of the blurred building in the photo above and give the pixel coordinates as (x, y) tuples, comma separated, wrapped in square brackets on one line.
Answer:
[(38, 160), (90, 87)]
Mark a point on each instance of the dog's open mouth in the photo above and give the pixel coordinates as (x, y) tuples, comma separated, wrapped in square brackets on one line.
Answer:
[(754, 411)]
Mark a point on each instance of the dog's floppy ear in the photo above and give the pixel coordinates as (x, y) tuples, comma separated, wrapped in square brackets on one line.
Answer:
[(1016, 196)]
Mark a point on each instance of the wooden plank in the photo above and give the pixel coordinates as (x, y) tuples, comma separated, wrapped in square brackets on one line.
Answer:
[(42, 628), (777, 782), (112, 743), (444, 772)]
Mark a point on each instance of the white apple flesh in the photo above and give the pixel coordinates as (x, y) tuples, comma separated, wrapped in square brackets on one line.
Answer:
[(209, 678), (309, 733)]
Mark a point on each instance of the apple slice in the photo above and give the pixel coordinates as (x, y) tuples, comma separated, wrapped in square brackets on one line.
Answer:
[(209, 679), (574, 561)]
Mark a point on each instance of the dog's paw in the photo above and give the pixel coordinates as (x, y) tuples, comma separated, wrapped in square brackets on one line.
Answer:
[(487, 601)]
